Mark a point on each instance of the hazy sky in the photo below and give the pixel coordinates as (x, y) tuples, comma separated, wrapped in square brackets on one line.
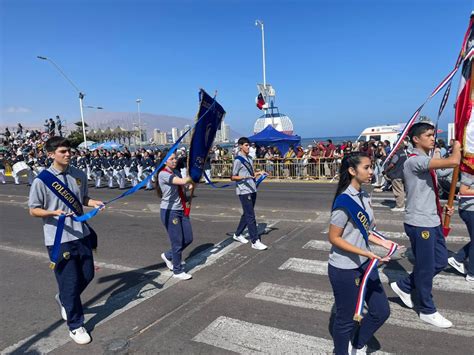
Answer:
[(337, 66)]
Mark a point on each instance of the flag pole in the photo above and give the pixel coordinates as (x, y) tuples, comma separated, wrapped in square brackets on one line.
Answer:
[(454, 181)]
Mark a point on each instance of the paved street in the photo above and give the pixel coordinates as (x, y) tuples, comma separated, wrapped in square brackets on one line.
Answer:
[(239, 300)]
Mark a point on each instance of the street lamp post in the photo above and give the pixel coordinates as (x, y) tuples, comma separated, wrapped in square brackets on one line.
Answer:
[(81, 95), (138, 101), (260, 23)]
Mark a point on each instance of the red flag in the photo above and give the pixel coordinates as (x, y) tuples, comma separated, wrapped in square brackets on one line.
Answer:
[(463, 122), (260, 101)]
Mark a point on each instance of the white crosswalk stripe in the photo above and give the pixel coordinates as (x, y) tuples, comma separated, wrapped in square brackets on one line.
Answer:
[(250, 338), (324, 301), (440, 282)]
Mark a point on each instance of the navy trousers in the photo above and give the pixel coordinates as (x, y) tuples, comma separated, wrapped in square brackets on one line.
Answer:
[(345, 285), (74, 271), (466, 251), (431, 257), (180, 233), (248, 217)]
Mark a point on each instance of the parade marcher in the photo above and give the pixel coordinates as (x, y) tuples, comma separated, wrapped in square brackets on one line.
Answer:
[(394, 172), (133, 163), (15, 158), (466, 211), (3, 162), (108, 168), (350, 255), (119, 172), (423, 222), (246, 189), (182, 164), (31, 161), (148, 164), (82, 163), (174, 212), (96, 168), (75, 268)]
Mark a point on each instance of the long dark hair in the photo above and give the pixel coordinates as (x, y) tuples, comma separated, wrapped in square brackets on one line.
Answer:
[(351, 160), (157, 181)]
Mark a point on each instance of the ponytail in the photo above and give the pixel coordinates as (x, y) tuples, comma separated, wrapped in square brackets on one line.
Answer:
[(351, 160)]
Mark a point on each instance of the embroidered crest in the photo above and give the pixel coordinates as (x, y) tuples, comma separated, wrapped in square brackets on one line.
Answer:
[(357, 281), (425, 234), (66, 255), (78, 181), (175, 221)]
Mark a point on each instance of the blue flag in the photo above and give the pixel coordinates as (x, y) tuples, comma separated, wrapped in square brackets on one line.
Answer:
[(211, 115)]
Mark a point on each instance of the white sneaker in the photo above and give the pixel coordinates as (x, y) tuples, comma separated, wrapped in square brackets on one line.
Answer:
[(405, 297), (436, 319), (240, 238), (259, 245), (80, 336), (457, 265), (168, 263), (183, 276), (62, 310), (469, 278), (354, 351), (398, 209)]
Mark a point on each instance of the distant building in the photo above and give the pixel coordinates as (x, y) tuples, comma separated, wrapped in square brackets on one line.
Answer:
[(225, 132), (159, 137), (174, 134)]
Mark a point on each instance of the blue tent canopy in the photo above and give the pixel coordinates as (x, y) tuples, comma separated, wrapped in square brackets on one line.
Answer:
[(270, 136)]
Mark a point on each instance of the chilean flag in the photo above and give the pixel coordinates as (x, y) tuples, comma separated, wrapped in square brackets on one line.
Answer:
[(260, 101), (464, 120)]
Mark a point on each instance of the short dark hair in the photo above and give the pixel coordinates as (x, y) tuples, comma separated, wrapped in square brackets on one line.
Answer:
[(55, 142), (418, 129), (243, 140)]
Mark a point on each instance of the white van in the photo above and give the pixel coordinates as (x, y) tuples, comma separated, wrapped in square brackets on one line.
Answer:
[(382, 133)]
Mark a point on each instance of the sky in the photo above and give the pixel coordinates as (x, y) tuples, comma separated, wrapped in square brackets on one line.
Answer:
[(337, 66)]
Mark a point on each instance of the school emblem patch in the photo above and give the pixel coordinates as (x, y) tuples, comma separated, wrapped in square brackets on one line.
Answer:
[(66, 255), (357, 281), (78, 181), (425, 234), (175, 221)]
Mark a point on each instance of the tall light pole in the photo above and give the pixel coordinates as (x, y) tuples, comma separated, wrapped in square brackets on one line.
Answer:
[(138, 101), (260, 23), (81, 95)]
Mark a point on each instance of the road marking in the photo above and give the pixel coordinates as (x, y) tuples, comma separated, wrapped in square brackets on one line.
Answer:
[(324, 302), (440, 282), (250, 338), (44, 256), (323, 245), (123, 301)]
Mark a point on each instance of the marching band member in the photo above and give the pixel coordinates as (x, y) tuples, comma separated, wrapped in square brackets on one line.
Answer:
[(82, 163), (466, 211), (31, 161), (174, 215), (352, 218), (246, 189), (119, 173), (148, 164), (13, 160), (96, 168), (423, 222), (133, 164), (75, 267), (108, 168)]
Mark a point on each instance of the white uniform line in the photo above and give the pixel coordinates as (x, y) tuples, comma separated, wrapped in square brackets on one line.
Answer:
[(123, 301), (440, 282), (249, 338), (324, 301)]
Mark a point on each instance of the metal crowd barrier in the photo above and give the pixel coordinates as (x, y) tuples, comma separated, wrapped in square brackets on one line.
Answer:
[(289, 169)]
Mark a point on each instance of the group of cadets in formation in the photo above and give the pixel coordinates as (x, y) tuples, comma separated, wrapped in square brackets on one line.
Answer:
[(106, 168)]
